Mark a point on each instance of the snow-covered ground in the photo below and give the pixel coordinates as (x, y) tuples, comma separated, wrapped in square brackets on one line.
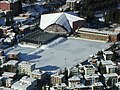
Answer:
[(67, 53)]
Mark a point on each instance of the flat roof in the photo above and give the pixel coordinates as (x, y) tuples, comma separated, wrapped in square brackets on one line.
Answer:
[(98, 31)]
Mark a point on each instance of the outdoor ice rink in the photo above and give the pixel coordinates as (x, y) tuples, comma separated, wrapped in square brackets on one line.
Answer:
[(67, 53)]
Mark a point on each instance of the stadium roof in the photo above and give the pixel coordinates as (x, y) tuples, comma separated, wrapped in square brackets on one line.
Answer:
[(64, 19)]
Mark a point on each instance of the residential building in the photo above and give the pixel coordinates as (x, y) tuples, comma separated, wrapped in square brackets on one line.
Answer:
[(1, 53), (107, 55), (14, 5), (73, 4), (26, 83), (25, 67), (117, 85), (13, 55), (91, 79), (8, 82), (97, 86), (111, 69), (38, 74), (110, 79), (57, 79), (2, 59), (89, 69), (1, 80), (77, 79), (61, 86), (9, 75)]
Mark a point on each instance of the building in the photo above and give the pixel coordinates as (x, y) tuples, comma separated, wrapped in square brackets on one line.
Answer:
[(75, 80), (97, 86), (38, 74), (117, 85), (13, 55), (25, 83), (60, 23), (91, 79), (95, 34), (24, 29), (57, 79), (107, 55), (110, 79), (73, 4), (14, 5), (9, 75), (61, 86), (111, 69), (2, 59), (8, 82), (25, 67), (89, 69)]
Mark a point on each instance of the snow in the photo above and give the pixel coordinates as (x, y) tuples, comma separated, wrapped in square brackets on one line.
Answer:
[(63, 19), (67, 53)]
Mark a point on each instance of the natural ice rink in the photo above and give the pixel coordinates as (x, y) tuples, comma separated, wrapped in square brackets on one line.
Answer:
[(67, 53)]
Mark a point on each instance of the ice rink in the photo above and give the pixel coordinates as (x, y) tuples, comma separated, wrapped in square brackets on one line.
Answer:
[(67, 53)]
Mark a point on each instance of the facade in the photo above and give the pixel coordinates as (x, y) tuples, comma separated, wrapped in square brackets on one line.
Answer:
[(111, 69), (91, 79), (107, 55), (13, 55), (89, 69), (77, 79), (110, 79), (25, 83), (97, 86), (26, 68), (9, 82), (38, 74), (57, 79), (72, 4), (14, 5), (95, 34)]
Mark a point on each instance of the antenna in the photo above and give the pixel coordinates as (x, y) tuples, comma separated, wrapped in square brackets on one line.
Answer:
[(65, 62)]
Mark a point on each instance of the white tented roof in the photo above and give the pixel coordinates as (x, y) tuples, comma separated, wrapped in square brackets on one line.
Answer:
[(64, 19)]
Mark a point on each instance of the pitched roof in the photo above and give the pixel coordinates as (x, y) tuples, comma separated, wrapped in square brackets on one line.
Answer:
[(64, 19)]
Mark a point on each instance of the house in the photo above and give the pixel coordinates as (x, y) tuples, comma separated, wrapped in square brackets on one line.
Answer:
[(77, 79), (111, 69), (25, 67), (9, 75), (118, 85), (14, 5), (89, 69), (91, 79), (110, 79), (25, 83), (8, 82), (24, 29), (13, 55), (1, 52), (57, 79), (61, 86), (107, 55), (38, 74), (73, 4), (97, 86), (2, 59)]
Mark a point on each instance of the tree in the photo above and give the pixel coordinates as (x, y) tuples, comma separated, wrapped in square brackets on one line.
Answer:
[(8, 23)]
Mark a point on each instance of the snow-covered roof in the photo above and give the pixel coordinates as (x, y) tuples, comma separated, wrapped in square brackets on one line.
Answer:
[(64, 19), (8, 1)]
